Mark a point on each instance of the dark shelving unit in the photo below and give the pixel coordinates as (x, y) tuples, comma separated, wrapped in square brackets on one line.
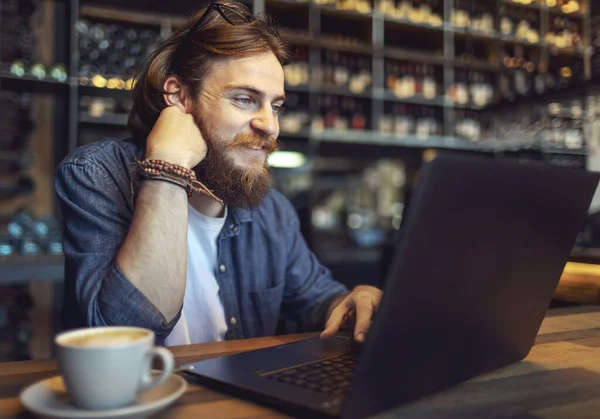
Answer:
[(377, 48), (72, 121)]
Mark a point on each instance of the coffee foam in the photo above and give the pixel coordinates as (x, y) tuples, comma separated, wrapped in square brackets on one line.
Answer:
[(104, 339)]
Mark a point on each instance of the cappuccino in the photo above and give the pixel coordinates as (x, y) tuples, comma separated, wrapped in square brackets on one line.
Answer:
[(98, 339)]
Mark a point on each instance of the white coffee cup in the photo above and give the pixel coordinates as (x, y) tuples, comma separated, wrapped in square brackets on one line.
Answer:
[(105, 367)]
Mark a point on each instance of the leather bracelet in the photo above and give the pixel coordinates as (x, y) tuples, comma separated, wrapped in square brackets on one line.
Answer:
[(186, 178)]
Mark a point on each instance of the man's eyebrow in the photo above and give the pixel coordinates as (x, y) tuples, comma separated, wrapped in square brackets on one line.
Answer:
[(254, 91)]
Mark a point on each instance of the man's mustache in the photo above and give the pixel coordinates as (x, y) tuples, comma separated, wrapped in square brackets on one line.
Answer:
[(268, 143)]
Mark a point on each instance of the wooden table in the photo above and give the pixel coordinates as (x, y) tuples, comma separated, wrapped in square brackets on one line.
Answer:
[(559, 379), (579, 282)]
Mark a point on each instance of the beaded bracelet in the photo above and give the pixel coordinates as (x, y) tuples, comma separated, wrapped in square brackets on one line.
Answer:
[(161, 166), (162, 170)]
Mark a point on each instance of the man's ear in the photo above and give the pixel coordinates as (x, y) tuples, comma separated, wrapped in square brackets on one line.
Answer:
[(178, 95)]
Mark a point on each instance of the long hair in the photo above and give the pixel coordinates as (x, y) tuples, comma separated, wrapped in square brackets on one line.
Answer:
[(189, 54)]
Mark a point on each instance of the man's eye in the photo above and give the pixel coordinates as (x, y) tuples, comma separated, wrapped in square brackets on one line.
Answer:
[(244, 100), (278, 108)]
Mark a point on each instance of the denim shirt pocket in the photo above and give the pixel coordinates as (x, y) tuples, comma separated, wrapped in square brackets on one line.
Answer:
[(267, 304)]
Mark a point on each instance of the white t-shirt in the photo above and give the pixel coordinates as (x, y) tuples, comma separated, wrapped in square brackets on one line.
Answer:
[(202, 318)]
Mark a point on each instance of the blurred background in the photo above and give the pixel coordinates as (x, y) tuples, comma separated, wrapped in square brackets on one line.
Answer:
[(374, 88)]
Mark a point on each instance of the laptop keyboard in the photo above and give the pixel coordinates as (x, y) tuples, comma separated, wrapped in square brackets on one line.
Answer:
[(331, 376)]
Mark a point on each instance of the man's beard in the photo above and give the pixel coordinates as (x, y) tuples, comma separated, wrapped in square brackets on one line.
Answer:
[(236, 186)]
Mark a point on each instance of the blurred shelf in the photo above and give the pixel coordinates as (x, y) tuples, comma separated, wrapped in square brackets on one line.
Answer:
[(129, 16), (104, 92), (369, 137), (20, 269), (384, 94), (554, 50), (470, 106), (472, 34), (287, 2), (303, 133), (510, 39), (557, 12), (493, 36), (524, 6), (576, 89), (475, 64), (412, 55), (376, 138), (565, 114), (325, 42), (31, 84), (130, 8), (538, 7), (300, 88), (106, 119), (445, 142), (329, 10), (408, 23), (330, 89), (566, 151)]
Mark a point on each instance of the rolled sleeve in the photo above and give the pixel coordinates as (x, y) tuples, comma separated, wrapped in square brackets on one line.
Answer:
[(97, 213)]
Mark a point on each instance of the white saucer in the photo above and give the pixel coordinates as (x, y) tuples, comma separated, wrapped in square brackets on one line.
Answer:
[(49, 399)]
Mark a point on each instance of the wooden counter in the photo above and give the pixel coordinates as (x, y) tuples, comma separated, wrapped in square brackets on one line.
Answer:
[(559, 379)]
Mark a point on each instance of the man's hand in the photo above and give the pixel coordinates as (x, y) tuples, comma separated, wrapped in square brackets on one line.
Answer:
[(176, 139), (361, 303)]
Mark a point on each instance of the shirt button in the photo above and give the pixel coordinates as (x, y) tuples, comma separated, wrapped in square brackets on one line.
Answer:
[(233, 321), (234, 228), (222, 268)]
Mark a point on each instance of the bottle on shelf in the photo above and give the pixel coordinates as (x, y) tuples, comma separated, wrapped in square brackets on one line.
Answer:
[(296, 117), (341, 72), (420, 12), (480, 89), (426, 123), (387, 8), (296, 72), (482, 20), (459, 91), (385, 125), (338, 113), (506, 23), (522, 78), (467, 125), (565, 6), (436, 18), (360, 75), (344, 114), (563, 33), (527, 28), (403, 9), (112, 50), (358, 121), (461, 17), (403, 121), (430, 88)]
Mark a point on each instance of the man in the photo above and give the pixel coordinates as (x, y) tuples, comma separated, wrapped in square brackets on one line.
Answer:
[(228, 262)]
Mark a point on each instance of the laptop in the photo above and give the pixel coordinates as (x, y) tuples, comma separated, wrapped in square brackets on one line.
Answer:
[(481, 254)]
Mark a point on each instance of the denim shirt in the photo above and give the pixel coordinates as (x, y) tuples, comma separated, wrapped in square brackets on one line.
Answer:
[(266, 270)]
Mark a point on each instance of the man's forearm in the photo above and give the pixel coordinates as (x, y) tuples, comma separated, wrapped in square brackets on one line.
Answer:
[(153, 256)]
